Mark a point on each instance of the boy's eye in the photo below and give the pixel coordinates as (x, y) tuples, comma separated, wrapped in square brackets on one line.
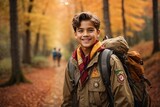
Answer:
[(80, 30), (87, 30), (90, 30)]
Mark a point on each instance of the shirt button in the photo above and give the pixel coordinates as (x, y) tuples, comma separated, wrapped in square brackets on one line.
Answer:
[(96, 84)]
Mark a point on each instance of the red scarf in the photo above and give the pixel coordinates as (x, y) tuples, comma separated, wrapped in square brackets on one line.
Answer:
[(83, 61)]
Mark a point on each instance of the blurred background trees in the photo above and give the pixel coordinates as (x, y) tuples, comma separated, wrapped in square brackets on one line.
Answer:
[(45, 24)]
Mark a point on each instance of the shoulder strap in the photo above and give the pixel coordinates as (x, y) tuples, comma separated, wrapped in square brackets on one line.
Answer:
[(71, 69), (105, 70)]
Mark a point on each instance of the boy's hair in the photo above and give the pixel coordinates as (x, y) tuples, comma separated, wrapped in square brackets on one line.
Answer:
[(84, 16)]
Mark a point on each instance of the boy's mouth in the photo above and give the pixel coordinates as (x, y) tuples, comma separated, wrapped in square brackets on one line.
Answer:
[(86, 40)]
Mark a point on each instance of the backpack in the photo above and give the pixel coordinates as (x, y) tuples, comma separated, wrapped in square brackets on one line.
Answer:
[(133, 66)]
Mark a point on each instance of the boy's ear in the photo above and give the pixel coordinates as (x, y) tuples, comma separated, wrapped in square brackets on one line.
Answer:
[(75, 35), (98, 31)]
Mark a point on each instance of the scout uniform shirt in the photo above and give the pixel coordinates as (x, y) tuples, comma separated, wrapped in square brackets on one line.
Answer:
[(94, 93)]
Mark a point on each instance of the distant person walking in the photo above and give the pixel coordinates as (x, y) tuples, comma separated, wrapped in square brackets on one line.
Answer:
[(59, 55), (54, 55)]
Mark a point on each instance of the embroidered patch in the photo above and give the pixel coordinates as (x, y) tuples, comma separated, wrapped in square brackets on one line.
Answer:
[(117, 72), (95, 72), (120, 75), (120, 78)]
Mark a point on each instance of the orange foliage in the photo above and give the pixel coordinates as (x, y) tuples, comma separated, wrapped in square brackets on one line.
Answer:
[(134, 12), (141, 48), (64, 10), (55, 24)]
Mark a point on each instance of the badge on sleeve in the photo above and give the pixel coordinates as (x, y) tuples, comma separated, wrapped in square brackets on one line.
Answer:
[(120, 78), (120, 75)]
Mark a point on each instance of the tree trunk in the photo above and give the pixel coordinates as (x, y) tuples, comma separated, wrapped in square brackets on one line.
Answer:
[(36, 46), (44, 49), (155, 27), (81, 6), (27, 44), (75, 6), (17, 75), (106, 18), (123, 20)]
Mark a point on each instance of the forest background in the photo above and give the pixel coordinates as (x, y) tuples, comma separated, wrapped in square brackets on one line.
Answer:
[(30, 29)]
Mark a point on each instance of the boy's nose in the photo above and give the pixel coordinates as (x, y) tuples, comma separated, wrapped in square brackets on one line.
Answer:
[(85, 33)]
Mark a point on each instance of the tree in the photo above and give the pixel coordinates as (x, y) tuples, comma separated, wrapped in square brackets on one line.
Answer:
[(134, 16), (106, 17), (17, 75), (123, 19), (155, 27), (81, 5), (36, 46), (27, 38)]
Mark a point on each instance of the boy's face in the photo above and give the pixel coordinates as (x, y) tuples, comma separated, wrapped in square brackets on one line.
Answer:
[(87, 34)]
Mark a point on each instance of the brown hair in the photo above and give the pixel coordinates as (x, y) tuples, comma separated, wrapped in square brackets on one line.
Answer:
[(83, 16)]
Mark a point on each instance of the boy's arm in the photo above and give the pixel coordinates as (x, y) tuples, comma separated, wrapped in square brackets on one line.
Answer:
[(122, 93), (67, 87)]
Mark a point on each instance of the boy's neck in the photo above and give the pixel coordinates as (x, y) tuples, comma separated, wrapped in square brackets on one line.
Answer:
[(86, 51)]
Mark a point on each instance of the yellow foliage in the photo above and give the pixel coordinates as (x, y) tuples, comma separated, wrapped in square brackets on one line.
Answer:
[(134, 12), (52, 18), (129, 33)]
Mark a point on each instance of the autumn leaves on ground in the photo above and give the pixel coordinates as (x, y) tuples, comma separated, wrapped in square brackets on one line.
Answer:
[(46, 87), (44, 91)]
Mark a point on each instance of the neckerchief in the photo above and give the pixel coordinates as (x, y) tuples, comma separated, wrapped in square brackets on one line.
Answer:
[(83, 60)]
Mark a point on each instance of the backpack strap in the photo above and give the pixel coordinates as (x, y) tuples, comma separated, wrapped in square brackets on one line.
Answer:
[(71, 70), (105, 70)]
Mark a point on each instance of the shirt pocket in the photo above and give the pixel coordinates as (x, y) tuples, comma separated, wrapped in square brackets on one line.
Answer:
[(96, 90), (96, 84)]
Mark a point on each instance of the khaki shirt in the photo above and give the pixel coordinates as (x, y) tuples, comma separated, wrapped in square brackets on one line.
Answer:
[(94, 94)]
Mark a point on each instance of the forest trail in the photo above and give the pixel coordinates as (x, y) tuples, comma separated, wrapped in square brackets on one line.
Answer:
[(47, 85), (44, 91)]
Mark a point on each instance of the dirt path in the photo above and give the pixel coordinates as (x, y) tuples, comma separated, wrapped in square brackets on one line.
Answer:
[(55, 97), (45, 90)]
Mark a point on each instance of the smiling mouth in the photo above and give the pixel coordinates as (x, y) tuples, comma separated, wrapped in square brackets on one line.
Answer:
[(86, 39)]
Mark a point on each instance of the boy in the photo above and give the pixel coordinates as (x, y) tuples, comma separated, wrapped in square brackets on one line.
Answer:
[(91, 91)]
